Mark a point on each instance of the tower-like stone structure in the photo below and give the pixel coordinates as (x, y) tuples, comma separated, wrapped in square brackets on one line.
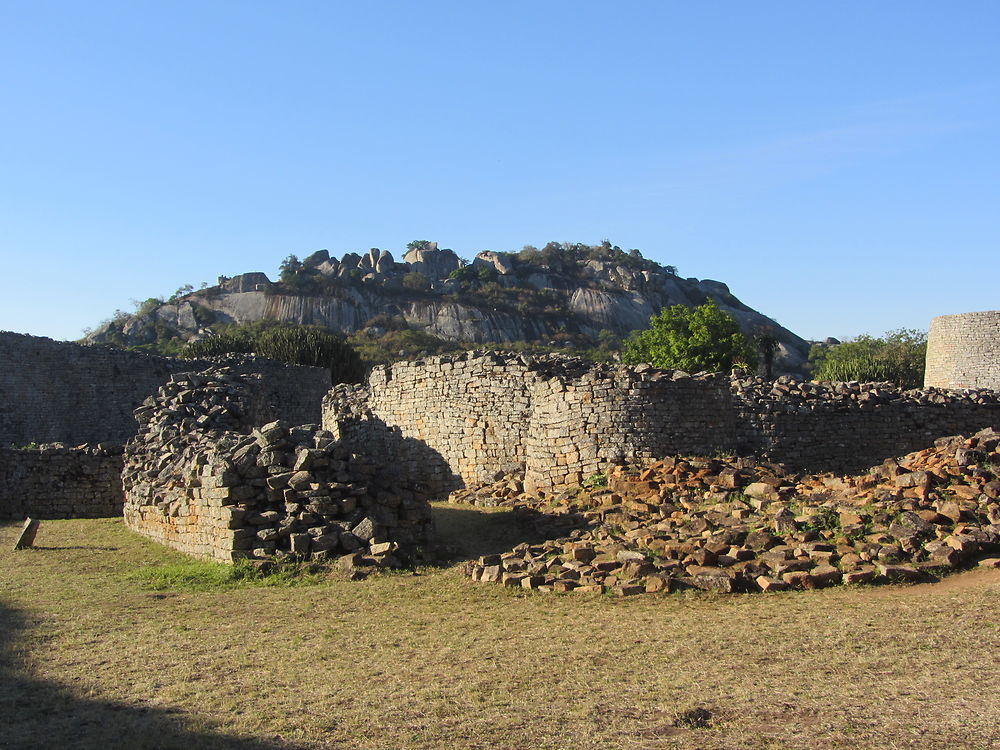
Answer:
[(963, 351)]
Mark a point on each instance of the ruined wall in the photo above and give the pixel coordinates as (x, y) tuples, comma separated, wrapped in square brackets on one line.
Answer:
[(582, 421), (205, 477), (57, 481), (963, 351), (849, 427), (56, 391), (464, 418)]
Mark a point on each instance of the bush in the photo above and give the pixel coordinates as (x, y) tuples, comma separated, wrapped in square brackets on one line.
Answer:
[(416, 281), (308, 345), (297, 345), (692, 339), (898, 357), (231, 342)]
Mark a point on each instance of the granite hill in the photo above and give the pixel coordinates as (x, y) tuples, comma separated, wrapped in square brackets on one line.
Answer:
[(563, 293)]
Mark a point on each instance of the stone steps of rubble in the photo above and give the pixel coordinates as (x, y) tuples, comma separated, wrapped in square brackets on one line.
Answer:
[(732, 525)]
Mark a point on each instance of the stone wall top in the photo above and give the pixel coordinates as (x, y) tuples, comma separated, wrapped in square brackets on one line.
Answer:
[(57, 391)]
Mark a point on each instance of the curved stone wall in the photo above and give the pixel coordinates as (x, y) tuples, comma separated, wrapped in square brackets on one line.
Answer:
[(463, 419), (963, 351)]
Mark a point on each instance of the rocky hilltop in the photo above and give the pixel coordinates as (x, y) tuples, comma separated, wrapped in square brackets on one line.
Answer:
[(559, 293)]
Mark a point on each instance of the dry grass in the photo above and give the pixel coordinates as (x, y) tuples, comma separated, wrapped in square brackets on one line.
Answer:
[(90, 658)]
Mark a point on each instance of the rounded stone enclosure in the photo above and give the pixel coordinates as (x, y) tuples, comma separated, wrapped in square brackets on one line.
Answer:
[(963, 351)]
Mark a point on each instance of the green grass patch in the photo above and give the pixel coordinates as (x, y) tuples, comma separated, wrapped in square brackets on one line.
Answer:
[(212, 576)]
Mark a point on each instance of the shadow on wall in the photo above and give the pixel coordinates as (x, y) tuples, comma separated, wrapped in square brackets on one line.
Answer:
[(409, 462), (37, 713)]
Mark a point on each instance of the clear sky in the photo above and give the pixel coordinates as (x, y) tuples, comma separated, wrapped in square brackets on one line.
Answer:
[(837, 164)]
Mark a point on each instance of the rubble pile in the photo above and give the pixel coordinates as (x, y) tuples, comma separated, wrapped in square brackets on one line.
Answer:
[(736, 525), (202, 478)]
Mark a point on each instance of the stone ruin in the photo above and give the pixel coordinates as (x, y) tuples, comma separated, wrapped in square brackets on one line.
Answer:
[(201, 476), (963, 351), (222, 469), (55, 480), (461, 419)]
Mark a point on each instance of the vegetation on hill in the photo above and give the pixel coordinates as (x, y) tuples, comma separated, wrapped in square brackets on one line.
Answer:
[(897, 356), (702, 338), (300, 345)]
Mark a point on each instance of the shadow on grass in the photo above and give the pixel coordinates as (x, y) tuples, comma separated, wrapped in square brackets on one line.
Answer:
[(37, 713), (470, 532)]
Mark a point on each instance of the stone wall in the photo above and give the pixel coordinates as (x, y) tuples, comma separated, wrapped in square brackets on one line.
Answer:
[(205, 477), (464, 419), (57, 481), (56, 391), (963, 351), (849, 427)]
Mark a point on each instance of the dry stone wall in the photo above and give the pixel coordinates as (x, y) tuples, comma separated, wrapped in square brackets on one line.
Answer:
[(205, 477), (963, 351), (56, 391), (849, 427), (556, 420), (58, 481), (466, 419)]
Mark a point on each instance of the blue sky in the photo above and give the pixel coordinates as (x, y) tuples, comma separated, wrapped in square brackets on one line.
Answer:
[(837, 164)]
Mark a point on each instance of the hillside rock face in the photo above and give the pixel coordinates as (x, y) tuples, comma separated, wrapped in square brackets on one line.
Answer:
[(498, 298)]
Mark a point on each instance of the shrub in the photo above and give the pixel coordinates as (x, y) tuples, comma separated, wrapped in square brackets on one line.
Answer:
[(298, 345), (308, 345), (693, 339), (416, 281), (898, 356)]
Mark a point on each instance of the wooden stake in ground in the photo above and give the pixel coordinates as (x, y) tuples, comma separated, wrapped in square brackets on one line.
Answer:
[(26, 539)]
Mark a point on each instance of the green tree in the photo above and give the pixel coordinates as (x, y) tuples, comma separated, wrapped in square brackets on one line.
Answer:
[(290, 268), (692, 339), (897, 356)]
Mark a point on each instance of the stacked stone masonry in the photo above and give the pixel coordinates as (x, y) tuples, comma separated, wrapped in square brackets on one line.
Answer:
[(55, 391), (963, 351), (58, 481), (205, 477), (464, 419)]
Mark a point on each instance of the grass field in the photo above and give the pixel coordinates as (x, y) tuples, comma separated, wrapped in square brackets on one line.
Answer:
[(108, 641)]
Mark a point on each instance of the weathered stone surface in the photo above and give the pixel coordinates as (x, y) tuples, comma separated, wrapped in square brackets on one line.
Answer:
[(26, 538), (664, 525), (59, 481), (552, 422), (963, 351), (56, 391), (206, 477)]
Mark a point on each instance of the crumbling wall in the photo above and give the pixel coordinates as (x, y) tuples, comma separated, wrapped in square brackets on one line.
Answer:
[(59, 481), (56, 391), (560, 420), (848, 427), (203, 476)]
